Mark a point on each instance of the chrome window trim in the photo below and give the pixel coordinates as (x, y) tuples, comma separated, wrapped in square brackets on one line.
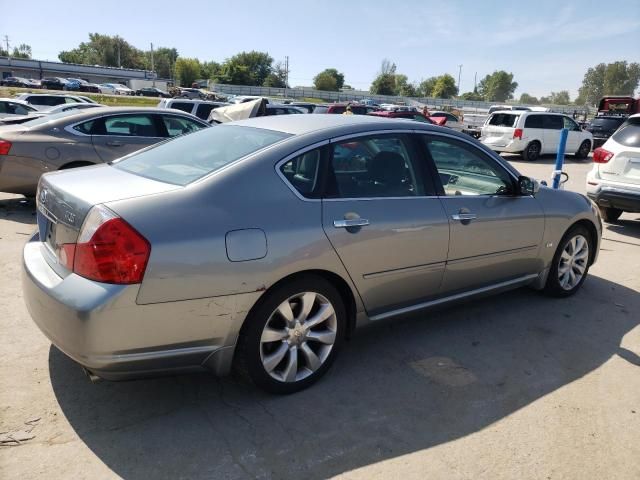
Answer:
[(290, 157), (71, 127)]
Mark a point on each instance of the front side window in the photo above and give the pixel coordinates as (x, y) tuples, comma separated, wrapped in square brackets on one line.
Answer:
[(203, 110), (570, 124), (302, 172), (130, 126), (463, 170), (375, 166), (184, 106)]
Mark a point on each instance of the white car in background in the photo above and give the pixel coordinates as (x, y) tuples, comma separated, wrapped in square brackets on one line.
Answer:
[(534, 133), (614, 181), (115, 89)]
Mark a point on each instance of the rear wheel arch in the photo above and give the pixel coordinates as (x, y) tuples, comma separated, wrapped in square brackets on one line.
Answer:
[(334, 279)]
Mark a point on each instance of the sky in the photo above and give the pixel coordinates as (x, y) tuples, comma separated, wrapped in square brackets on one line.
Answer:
[(548, 45)]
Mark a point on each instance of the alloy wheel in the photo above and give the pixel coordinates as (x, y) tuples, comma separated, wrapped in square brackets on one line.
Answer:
[(573, 262), (298, 337)]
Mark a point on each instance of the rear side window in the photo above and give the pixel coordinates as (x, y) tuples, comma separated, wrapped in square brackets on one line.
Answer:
[(321, 109), (180, 126), (503, 120), (302, 172), (629, 133), (50, 101), (86, 127), (553, 122), (130, 125), (184, 106), (338, 109), (203, 110), (533, 121), (188, 158)]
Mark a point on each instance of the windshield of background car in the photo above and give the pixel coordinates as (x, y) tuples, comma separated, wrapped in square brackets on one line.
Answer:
[(503, 120), (191, 157), (629, 133), (606, 123)]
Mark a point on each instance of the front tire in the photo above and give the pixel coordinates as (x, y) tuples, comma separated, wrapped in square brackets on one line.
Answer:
[(532, 152), (292, 338), (571, 262), (610, 215)]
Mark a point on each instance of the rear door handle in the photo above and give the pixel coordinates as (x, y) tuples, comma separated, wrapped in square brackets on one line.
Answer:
[(464, 216), (114, 143), (352, 222)]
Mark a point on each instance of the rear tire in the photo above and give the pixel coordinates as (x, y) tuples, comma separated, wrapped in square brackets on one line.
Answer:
[(610, 215), (532, 152), (583, 151), (281, 348), (570, 264)]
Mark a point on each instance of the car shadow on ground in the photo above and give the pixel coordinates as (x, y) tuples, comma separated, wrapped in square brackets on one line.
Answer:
[(20, 209), (397, 388), (629, 227)]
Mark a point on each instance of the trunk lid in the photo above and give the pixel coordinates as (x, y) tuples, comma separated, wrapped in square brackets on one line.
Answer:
[(64, 199)]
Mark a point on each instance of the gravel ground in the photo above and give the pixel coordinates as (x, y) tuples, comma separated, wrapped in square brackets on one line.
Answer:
[(515, 386)]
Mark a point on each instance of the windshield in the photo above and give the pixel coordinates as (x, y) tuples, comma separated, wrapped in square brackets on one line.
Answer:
[(190, 157)]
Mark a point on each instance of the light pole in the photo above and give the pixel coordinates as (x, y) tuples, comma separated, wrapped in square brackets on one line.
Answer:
[(459, 73)]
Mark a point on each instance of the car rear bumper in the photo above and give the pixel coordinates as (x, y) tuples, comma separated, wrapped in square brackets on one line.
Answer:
[(500, 145), (101, 327), (615, 197)]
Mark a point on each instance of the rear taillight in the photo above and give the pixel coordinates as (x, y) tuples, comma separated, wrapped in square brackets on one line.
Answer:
[(5, 147), (600, 155), (109, 250), (517, 133)]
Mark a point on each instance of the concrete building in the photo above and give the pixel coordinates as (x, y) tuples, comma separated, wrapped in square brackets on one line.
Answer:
[(19, 67)]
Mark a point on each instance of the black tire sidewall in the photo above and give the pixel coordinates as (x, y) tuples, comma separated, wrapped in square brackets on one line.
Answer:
[(579, 153), (553, 286), (248, 355), (527, 156), (609, 214)]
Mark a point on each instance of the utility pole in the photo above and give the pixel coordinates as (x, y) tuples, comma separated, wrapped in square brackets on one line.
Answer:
[(6, 41), (459, 73), (152, 67), (119, 65), (286, 73), (475, 83)]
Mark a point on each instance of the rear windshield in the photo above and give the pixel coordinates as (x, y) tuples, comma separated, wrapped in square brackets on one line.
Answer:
[(629, 133), (190, 157), (607, 123), (503, 120)]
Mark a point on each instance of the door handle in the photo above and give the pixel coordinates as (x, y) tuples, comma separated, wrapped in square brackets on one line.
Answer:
[(352, 222), (114, 143), (464, 216)]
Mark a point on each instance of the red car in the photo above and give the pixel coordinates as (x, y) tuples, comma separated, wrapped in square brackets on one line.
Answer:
[(419, 117)]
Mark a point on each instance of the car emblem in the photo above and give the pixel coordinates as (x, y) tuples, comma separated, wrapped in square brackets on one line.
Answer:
[(70, 217), (43, 195)]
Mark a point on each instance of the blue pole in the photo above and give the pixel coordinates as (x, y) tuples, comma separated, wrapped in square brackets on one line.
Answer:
[(564, 133)]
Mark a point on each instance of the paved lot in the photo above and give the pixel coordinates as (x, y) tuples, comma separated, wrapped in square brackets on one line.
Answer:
[(518, 386)]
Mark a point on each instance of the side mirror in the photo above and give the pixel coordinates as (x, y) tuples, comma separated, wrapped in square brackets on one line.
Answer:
[(528, 186)]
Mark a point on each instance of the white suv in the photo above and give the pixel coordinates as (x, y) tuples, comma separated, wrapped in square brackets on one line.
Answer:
[(199, 108), (614, 181), (533, 134)]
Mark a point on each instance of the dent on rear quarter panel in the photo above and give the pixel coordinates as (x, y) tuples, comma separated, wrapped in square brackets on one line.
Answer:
[(188, 232)]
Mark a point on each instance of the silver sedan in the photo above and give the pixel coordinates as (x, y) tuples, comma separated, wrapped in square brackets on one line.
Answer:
[(264, 243)]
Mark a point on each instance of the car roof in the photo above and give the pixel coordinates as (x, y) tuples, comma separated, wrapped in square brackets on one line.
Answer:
[(14, 100), (302, 124)]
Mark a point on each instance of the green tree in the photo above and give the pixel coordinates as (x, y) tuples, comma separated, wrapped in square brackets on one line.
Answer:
[(528, 99), (246, 68), (472, 96), (425, 88), (164, 61), (187, 71), (497, 87), (445, 87), (617, 78), (108, 51), (404, 87), (385, 82), (277, 77), (22, 51), (322, 77), (325, 81), (559, 98), (210, 70)]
